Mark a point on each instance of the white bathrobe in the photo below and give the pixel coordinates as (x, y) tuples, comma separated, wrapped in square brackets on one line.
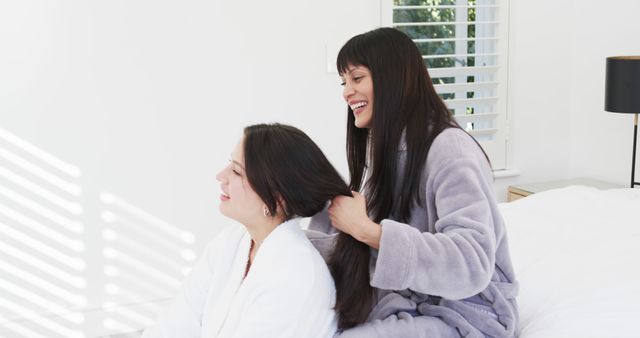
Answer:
[(288, 292)]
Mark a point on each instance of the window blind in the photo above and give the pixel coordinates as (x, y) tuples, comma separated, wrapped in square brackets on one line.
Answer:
[(464, 45)]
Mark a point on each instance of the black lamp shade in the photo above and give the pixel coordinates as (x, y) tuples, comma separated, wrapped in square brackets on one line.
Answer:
[(622, 86)]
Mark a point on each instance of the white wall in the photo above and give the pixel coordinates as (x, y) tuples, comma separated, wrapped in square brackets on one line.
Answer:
[(559, 128), (538, 107), (144, 100), (601, 142)]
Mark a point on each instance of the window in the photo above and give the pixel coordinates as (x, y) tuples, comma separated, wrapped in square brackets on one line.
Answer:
[(464, 45)]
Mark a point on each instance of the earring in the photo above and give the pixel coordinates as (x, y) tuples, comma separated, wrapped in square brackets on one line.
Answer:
[(265, 211)]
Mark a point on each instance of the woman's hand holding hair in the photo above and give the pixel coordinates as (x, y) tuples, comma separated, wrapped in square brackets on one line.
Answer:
[(349, 215)]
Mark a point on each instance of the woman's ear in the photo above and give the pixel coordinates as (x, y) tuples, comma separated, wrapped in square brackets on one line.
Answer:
[(281, 207)]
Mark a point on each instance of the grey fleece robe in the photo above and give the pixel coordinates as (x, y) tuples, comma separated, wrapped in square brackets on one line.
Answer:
[(447, 273)]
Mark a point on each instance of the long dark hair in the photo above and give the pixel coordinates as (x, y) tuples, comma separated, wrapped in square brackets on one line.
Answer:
[(288, 170), (283, 164), (405, 101)]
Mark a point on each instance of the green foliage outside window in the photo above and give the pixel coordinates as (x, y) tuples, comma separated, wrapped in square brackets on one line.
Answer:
[(443, 31)]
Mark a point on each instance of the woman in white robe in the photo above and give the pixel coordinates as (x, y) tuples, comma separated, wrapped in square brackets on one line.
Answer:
[(264, 278)]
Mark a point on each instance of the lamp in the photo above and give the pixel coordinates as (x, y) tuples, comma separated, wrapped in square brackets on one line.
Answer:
[(622, 94)]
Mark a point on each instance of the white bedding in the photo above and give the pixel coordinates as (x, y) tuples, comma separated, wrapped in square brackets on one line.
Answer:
[(576, 252)]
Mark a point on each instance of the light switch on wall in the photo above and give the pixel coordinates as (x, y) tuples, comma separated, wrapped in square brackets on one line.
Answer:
[(331, 54)]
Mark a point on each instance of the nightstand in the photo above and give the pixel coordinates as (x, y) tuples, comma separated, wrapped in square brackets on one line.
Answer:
[(519, 191)]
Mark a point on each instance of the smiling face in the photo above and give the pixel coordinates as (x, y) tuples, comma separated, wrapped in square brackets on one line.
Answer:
[(238, 200), (358, 92)]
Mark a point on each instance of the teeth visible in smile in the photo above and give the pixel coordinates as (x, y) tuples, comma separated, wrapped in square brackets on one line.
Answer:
[(358, 105)]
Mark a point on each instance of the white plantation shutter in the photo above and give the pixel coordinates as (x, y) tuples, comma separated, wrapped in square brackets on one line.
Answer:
[(464, 44)]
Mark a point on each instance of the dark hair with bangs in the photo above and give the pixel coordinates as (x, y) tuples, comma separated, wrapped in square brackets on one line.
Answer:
[(405, 103), (288, 170)]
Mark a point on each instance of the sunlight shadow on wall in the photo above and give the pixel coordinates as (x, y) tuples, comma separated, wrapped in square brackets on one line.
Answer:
[(146, 259), (41, 247)]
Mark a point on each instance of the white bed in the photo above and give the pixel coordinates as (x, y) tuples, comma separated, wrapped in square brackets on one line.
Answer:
[(576, 252)]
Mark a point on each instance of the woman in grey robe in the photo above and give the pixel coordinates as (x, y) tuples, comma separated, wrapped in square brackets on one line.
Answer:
[(422, 250)]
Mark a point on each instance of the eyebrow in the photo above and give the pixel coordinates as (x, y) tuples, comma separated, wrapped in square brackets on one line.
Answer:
[(352, 70), (347, 72), (238, 164)]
